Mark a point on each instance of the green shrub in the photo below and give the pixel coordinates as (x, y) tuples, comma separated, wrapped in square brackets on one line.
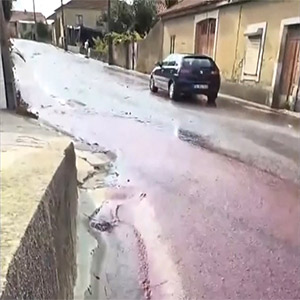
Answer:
[(42, 31), (100, 45)]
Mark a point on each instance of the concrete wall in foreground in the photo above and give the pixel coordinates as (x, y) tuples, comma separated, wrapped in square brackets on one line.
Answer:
[(44, 265), (2, 87)]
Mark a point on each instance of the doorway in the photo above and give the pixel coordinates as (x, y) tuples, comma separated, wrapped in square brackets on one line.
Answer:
[(290, 75), (205, 37)]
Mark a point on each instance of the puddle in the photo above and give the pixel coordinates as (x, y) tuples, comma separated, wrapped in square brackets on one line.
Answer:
[(109, 250), (193, 138), (73, 103), (85, 246), (108, 254)]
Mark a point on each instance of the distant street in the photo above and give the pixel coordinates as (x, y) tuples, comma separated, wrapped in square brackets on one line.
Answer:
[(213, 192)]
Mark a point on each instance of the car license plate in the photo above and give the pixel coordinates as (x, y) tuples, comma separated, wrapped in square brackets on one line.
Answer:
[(201, 86)]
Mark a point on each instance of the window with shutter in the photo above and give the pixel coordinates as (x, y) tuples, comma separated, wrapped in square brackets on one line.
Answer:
[(252, 55), (255, 35)]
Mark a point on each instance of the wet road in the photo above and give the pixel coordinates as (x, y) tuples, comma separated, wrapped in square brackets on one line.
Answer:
[(209, 226)]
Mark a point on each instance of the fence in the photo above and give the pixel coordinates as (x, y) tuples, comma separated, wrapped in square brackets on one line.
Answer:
[(141, 55)]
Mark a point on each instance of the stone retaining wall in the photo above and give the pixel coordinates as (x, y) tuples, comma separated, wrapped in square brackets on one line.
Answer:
[(44, 265)]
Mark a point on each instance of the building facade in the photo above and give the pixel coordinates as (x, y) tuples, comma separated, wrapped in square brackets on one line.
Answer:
[(77, 13), (22, 24), (255, 43)]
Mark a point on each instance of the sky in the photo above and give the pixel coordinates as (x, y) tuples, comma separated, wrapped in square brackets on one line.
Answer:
[(46, 7)]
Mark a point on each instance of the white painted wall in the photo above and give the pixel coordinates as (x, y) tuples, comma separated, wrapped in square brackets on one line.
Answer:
[(2, 87)]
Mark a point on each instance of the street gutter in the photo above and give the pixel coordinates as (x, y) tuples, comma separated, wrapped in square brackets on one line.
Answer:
[(226, 96)]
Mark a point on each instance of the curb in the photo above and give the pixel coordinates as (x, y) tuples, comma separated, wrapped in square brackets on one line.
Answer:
[(128, 72), (229, 97), (261, 106)]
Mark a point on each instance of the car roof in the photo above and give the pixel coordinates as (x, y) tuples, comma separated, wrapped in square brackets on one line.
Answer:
[(195, 55), (191, 55)]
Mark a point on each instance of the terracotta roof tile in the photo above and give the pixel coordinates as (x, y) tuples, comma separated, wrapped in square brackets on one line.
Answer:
[(86, 4), (160, 6), (187, 4), (26, 16)]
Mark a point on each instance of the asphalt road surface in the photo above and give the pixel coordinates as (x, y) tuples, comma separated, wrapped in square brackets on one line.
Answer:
[(210, 194)]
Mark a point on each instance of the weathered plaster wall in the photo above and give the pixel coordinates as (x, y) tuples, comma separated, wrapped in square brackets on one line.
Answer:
[(90, 16), (231, 42), (233, 21), (183, 28), (149, 50), (2, 86), (44, 265), (231, 45)]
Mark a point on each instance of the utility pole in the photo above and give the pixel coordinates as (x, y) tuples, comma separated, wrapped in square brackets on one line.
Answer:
[(35, 25), (63, 26), (110, 57)]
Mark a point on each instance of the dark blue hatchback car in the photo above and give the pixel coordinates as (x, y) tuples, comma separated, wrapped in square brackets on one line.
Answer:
[(183, 74)]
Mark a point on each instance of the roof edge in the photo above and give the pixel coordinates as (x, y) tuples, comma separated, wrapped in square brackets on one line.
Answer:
[(193, 7)]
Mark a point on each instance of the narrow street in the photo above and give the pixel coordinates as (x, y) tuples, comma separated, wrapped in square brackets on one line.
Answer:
[(211, 194)]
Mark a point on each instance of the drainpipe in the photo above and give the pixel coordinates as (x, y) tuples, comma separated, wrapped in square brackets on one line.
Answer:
[(236, 65), (9, 81)]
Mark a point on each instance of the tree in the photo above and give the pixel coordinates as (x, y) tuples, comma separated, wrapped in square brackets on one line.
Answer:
[(7, 7), (170, 3), (144, 15), (122, 17), (42, 30), (139, 16)]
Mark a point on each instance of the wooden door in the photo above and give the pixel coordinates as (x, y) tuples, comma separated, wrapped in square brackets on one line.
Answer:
[(211, 37), (205, 37), (291, 63)]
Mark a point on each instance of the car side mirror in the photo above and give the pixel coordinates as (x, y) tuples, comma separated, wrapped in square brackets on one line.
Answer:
[(159, 64)]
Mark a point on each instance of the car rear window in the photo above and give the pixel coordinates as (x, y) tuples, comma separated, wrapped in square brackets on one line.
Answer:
[(196, 62)]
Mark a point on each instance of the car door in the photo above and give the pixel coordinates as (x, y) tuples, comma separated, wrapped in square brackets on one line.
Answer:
[(159, 74), (170, 70)]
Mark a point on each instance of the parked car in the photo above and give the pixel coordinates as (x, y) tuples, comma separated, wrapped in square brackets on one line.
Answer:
[(183, 74)]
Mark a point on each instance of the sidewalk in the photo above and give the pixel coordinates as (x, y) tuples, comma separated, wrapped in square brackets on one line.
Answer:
[(30, 155)]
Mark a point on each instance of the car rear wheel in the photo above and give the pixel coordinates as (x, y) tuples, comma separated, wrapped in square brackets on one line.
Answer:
[(153, 88), (173, 92), (211, 100)]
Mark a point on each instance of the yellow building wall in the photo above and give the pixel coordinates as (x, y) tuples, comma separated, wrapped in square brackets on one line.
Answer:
[(228, 31), (231, 40), (90, 17), (183, 28), (230, 47)]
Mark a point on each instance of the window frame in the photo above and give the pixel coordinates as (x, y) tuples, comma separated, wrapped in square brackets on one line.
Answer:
[(77, 18), (258, 29), (172, 43), (214, 14)]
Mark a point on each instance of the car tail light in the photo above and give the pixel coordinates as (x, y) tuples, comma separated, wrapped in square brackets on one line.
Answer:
[(215, 72)]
